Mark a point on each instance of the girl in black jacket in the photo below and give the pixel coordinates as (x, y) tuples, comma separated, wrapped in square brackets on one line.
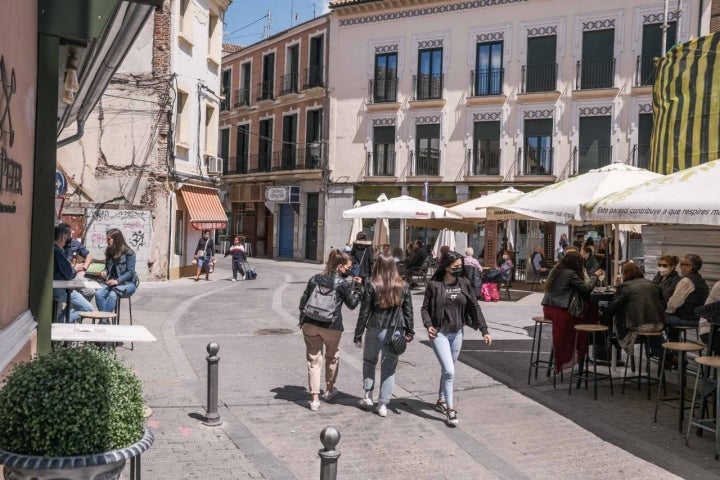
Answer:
[(386, 311)]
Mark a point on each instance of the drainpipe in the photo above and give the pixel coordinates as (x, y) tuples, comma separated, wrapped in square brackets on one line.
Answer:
[(700, 13), (73, 138)]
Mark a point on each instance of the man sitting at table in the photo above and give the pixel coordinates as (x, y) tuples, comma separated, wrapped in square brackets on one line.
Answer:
[(64, 270)]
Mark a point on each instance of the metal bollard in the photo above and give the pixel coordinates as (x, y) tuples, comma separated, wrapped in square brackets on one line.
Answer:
[(329, 437), (212, 417)]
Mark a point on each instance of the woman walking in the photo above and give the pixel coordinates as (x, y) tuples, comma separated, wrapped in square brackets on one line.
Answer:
[(323, 330), (204, 255), (449, 305), (386, 311), (119, 273), (238, 258)]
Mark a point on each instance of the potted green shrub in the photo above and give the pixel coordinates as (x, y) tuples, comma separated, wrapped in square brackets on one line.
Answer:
[(74, 413)]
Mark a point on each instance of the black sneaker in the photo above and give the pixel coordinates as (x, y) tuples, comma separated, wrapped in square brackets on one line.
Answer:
[(441, 407), (452, 418)]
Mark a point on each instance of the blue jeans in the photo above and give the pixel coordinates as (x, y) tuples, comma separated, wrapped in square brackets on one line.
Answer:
[(78, 304), (447, 349), (106, 297), (671, 320), (377, 340)]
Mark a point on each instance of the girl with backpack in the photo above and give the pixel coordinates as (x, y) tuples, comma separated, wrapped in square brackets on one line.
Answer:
[(322, 325), (386, 311)]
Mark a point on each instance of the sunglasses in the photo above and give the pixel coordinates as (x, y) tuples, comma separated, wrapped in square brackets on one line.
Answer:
[(663, 265)]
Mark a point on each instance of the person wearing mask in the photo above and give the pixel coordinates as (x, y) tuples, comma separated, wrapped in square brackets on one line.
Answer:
[(566, 281), (238, 258), (667, 276), (386, 311), (119, 273), (322, 338), (448, 306), (64, 270), (690, 292), (362, 256), (204, 255)]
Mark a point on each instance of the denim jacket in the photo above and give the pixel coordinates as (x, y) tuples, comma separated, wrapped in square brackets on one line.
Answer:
[(125, 267)]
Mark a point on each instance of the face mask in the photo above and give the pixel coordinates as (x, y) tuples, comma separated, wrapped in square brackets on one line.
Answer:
[(346, 273), (663, 270), (456, 272)]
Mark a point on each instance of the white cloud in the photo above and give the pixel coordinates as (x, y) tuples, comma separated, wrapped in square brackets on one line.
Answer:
[(325, 5)]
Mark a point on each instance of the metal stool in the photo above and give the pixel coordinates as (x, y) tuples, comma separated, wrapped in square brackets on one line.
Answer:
[(682, 348), (647, 377), (683, 330), (593, 329), (96, 316), (535, 360), (707, 423)]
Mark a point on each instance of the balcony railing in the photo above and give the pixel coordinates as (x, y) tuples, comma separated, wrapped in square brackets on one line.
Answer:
[(265, 90), (242, 97), (595, 74), (645, 70), (236, 166), (428, 86), (486, 81), (486, 161), (427, 161), (539, 78), (538, 161), (593, 156), (313, 77), (383, 90), (303, 158), (260, 162), (289, 83), (383, 164)]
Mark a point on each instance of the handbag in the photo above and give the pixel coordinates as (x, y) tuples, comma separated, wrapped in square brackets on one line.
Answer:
[(398, 343), (575, 305)]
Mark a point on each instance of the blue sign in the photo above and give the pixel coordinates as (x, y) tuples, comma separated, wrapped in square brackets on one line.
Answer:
[(60, 183)]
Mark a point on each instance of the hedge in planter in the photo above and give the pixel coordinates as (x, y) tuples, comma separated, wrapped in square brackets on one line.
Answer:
[(72, 401)]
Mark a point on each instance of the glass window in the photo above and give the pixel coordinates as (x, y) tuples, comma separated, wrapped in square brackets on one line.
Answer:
[(385, 89), (488, 70)]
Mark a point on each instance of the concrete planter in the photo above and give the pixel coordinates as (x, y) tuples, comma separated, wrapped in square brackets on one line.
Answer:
[(101, 466)]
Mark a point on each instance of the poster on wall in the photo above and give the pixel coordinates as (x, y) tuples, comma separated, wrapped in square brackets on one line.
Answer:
[(136, 226)]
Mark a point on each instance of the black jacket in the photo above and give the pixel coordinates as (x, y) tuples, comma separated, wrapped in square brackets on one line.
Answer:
[(362, 254), (668, 283), (563, 285), (373, 316), (347, 294), (433, 307), (637, 302)]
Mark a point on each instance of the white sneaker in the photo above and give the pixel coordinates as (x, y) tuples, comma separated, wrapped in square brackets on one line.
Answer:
[(234, 280), (381, 410), (366, 402), (330, 395), (314, 405)]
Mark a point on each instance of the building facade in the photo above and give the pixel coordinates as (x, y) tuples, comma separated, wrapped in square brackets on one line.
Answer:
[(471, 96), (273, 139)]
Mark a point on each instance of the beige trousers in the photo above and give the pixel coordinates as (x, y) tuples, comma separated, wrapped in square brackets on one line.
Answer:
[(315, 339)]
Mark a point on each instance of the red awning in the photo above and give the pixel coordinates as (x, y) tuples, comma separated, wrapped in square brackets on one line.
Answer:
[(206, 211)]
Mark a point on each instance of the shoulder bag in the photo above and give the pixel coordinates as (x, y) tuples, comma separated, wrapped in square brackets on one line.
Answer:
[(398, 342), (575, 305)]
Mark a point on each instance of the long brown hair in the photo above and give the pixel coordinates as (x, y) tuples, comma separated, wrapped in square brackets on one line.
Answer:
[(335, 258), (570, 261), (118, 247), (387, 281)]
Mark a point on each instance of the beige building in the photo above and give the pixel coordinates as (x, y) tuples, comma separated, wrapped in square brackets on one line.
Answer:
[(471, 96)]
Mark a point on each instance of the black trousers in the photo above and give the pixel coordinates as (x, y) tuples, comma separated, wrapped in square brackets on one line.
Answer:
[(237, 267)]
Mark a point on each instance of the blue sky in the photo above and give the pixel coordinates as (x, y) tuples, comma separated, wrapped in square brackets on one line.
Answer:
[(245, 20)]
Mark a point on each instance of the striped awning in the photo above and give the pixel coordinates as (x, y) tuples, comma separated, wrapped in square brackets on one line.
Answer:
[(206, 211)]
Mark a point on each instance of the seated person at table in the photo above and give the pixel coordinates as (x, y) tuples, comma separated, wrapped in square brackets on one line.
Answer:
[(667, 276), (690, 292), (589, 261), (417, 260), (119, 273), (710, 310), (638, 306), (64, 270), (74, 252), (501, 273), (397, 254), (537, 259)]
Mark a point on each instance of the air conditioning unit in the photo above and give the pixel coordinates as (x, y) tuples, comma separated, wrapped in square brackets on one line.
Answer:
[(214, 165)]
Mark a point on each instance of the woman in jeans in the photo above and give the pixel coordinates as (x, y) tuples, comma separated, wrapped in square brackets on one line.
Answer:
[(119, 273), (449, 305), (386, 311), (319, 334)]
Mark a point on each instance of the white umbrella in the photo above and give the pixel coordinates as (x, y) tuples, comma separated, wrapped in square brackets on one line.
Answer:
[(686, 197), (382, 227), (477, 207), (357, 225), (445, 238), (563, 202), (400, 207)]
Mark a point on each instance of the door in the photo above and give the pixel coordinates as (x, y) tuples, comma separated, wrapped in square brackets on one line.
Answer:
[(541, 74), (313, 139), (315, 72), (598, 59), (538, 147), (224, 148), (265, 145), (311, 226), (291, 83), (651, 49), (286, 226), (289, 142), (486, 154), (268, 84), (595, 149), (645, 127)]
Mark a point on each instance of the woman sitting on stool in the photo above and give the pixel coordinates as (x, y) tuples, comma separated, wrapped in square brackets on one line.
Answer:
[(119, 273)]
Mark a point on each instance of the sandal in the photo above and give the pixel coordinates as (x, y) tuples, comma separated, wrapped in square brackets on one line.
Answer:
[(441, 407)]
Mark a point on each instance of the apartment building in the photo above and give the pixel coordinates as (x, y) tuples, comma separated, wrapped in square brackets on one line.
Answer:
[(450, 99), (273, 138)]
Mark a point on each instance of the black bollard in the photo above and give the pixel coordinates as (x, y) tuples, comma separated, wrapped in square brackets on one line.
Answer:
[(329, 437), (212, 417)]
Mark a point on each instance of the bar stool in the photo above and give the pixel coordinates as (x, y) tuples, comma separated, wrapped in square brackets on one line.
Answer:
[(535, 360), (96, 316), (707, 423), (683, 330), (682, 348), (647, 377), (118, 305), (592, 329)]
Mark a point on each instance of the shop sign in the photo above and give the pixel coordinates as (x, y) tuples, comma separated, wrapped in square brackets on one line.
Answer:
[(285, 194)]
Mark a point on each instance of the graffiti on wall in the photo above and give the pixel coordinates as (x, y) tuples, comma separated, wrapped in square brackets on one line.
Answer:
[(136, 226)]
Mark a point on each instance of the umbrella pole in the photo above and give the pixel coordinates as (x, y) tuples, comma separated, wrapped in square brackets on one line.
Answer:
[(616, 253)]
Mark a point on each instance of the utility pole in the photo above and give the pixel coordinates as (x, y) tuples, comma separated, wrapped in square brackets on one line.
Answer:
[(266, 33)]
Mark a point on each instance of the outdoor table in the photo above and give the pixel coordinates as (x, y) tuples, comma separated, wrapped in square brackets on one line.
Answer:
[(78, 332), (75, 284), (606, 294)]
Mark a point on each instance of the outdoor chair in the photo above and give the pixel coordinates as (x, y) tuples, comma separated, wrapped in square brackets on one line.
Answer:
[(417, 275), (506, 284)]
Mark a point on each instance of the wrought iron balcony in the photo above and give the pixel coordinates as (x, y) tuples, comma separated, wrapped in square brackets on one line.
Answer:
[(383, 164), (289, 83), (428, 86), (593, 156), (265, 90), (645, 70), (538, 161), (486, 161), (595, 74), (242, 97), (539, 78), (427, 161), (383, 90), (486, 81), (313, 77), (260, 162), (236, 166)]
